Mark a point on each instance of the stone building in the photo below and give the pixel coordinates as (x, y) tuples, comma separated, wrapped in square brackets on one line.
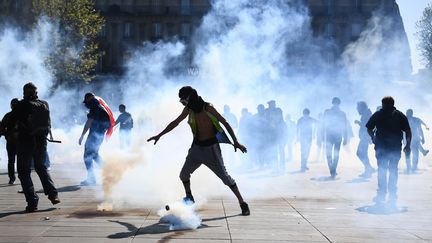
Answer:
[(130, 22)]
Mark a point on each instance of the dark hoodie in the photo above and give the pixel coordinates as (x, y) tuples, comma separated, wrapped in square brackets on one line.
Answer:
[(390, 125)]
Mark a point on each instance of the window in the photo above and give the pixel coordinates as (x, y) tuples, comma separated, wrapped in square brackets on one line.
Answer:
[(328, 29), (127, 31), (185, 6), (356, 30), (157, 30), (185, 30)]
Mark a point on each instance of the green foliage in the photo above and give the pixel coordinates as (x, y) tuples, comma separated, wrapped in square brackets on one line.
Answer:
[(76, 51), (424, 26)]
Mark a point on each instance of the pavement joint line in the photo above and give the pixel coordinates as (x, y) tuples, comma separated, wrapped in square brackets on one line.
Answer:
[(226, 220), (133, 237), (306, 219)]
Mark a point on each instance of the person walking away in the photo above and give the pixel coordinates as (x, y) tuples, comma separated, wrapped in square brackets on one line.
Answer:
[(390, 124)]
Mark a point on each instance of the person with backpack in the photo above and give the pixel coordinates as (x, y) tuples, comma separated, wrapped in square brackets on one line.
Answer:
[(204, 121), (32, 116), (100, 123), (10, 131)]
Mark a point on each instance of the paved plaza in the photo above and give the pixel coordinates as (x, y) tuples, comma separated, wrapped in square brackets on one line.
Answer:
[(308, 209)]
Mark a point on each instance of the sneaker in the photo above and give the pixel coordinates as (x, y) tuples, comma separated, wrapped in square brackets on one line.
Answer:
[(31, 208), (426, 152), (245, 209), (189, 199), (304, 169), (11, 182), (88, 182), (54, 200)]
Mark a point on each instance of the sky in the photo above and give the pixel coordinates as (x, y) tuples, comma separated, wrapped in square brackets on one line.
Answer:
[(411, 11)]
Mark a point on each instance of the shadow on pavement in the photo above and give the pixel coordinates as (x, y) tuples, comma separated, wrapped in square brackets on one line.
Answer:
[(358, 180), (73, 188), (324, 178), (7, 185), (2, 215), (158, 228), (382, 209)]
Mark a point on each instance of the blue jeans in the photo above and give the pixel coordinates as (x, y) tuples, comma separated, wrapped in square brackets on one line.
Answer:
[(91, 152), (387, 161), (362, 153), (333, 145)]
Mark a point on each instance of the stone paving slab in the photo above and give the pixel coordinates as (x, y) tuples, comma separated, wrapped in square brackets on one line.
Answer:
[(302, 210)]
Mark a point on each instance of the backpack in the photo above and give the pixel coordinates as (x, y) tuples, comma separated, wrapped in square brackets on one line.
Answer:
[(38, 121)]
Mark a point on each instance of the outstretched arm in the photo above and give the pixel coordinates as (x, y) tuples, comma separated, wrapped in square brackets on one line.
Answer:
[(424, 124), (222, 120), (170, 126)]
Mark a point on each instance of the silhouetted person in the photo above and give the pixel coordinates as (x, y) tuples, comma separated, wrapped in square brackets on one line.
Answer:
[(9, 129), (260, 134), (245, 125), (126, 124), (290, 136), (244, 130), (305, 130), (34, 124), (98, 124), (320, 139), (335, 130), (421, 149), (390, 125), (230, 117), (417, 139), (232, 120), (205, 121), (363, 146), (273, 116)]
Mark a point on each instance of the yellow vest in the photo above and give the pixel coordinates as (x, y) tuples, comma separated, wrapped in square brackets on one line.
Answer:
[(220, 134)]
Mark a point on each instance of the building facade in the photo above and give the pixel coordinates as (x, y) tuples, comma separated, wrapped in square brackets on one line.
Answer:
[(130, 22)]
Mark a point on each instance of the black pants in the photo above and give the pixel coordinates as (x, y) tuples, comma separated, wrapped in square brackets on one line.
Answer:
[(34, 148), (12, 152)]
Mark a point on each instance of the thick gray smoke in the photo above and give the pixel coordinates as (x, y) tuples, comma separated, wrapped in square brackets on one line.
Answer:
[(244, 53)]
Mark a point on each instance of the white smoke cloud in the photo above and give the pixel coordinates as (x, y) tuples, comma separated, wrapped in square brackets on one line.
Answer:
[(246, 54)]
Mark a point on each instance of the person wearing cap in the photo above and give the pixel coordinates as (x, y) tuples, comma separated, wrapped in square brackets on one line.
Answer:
[(204, 120), (275, 152), (10, 131), (97, 124), (34, 124), (335, 131)]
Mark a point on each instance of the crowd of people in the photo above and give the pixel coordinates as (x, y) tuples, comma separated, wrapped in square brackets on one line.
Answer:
[(27, 129), (267, 136)]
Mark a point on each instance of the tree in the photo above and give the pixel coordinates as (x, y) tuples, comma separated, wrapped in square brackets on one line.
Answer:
[(424, 26), (75, 54)]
